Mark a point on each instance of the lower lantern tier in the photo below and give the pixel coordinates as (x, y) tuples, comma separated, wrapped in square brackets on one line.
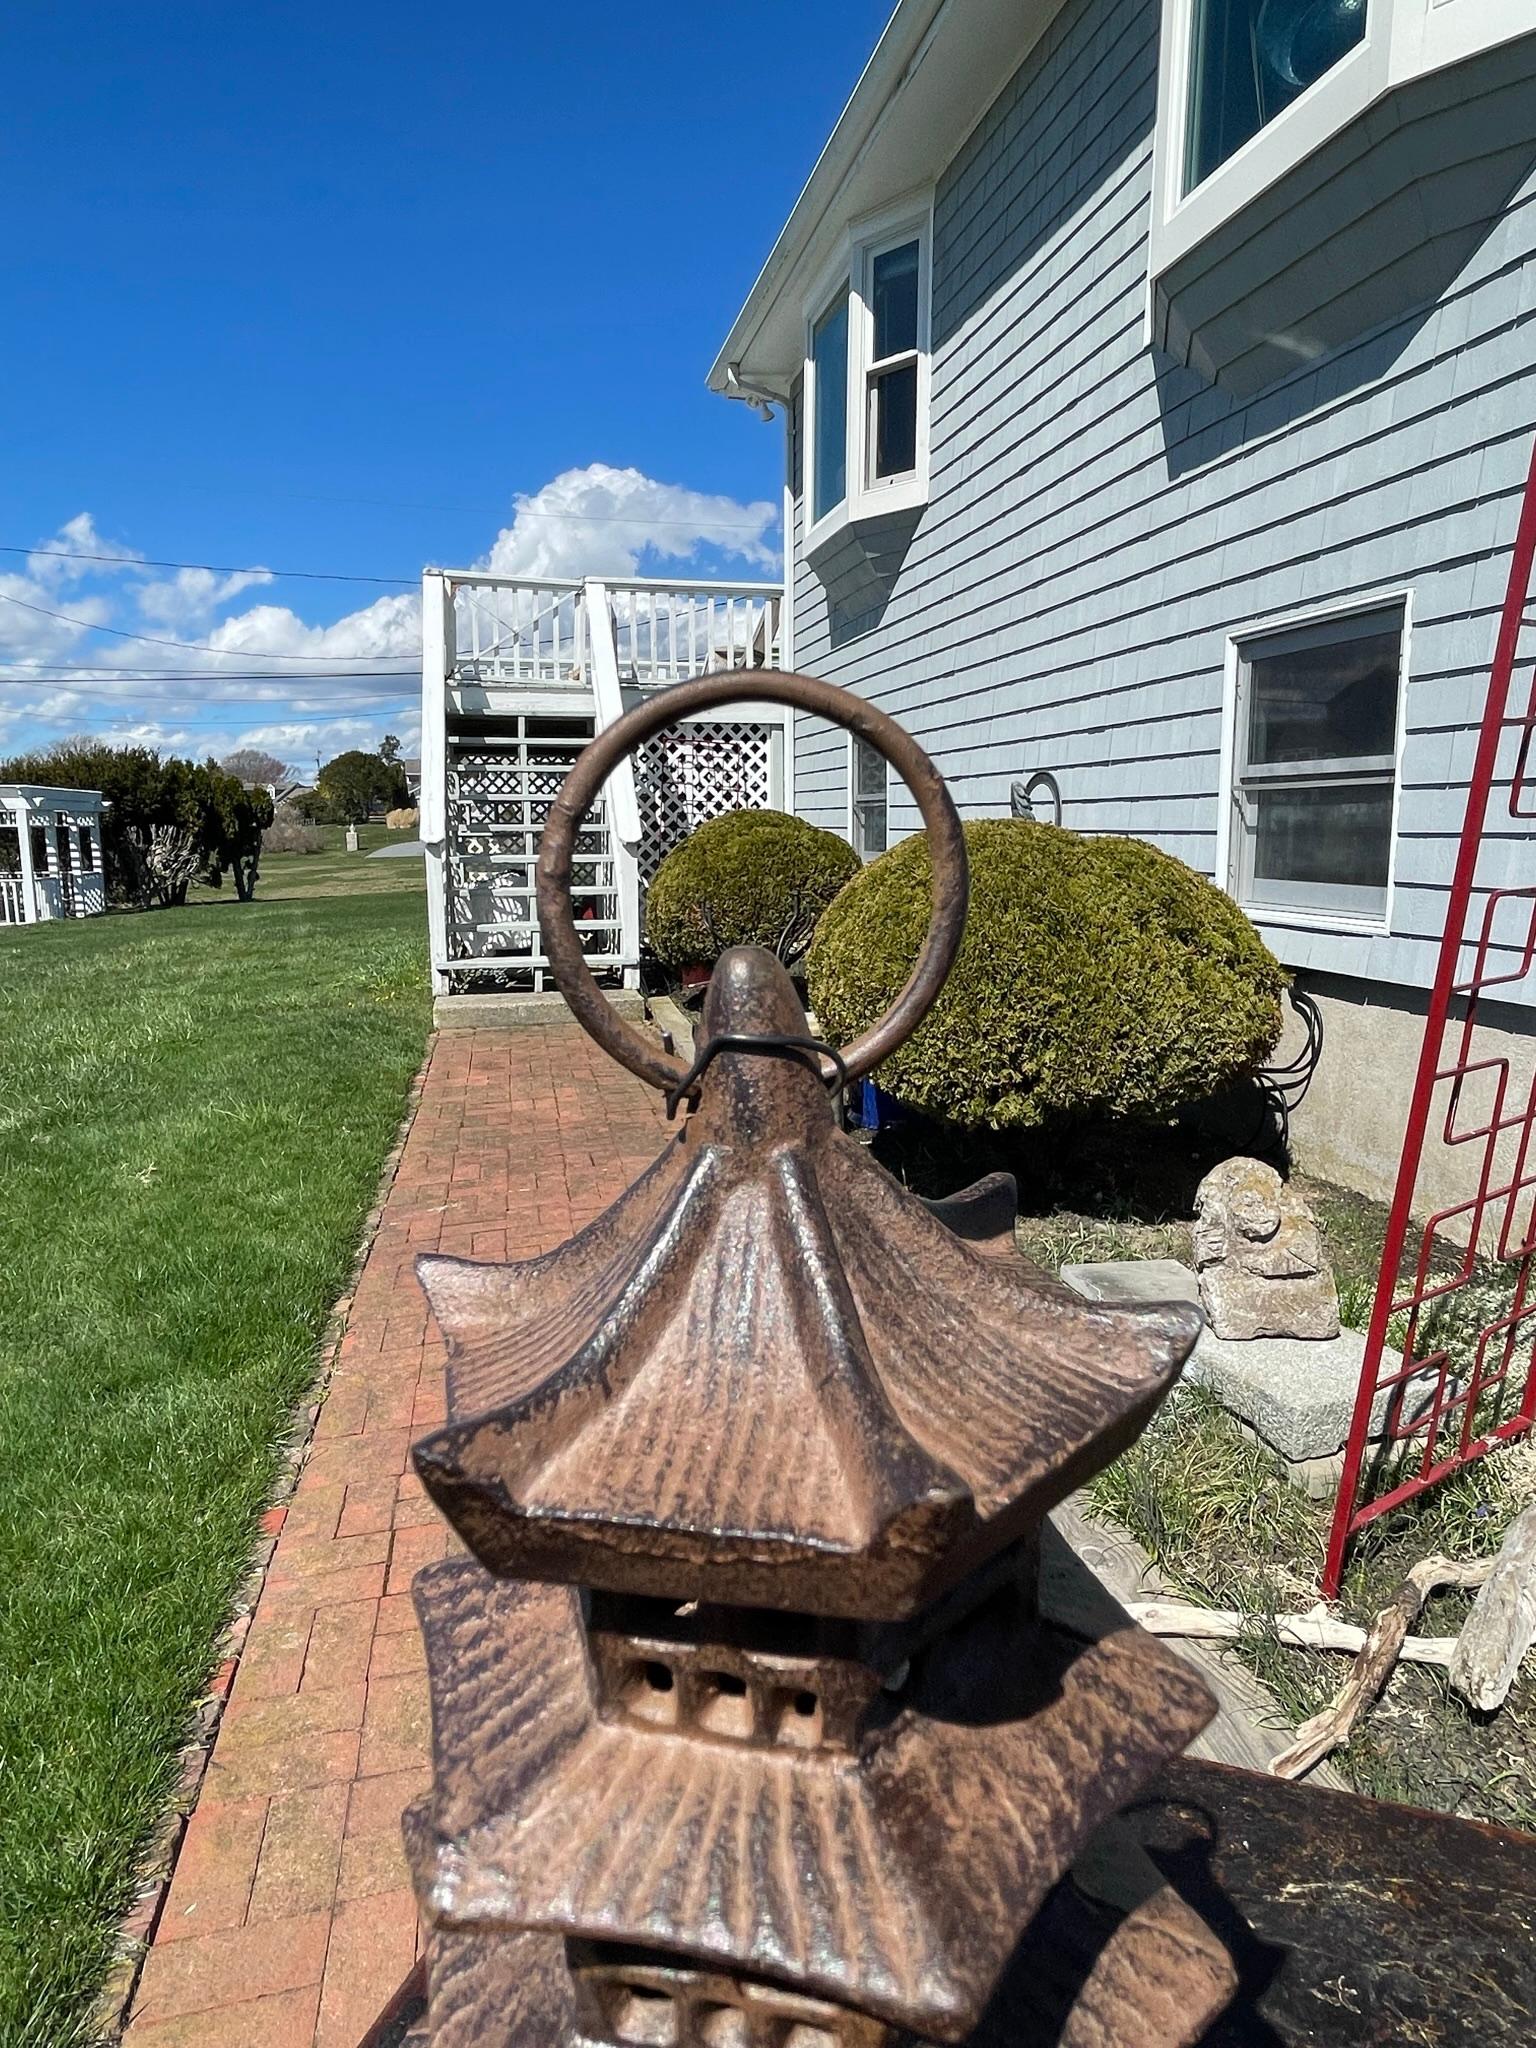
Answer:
[(594, 1870)]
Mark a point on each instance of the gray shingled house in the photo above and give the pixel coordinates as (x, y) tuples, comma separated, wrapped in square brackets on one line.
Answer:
[(1159, 384)]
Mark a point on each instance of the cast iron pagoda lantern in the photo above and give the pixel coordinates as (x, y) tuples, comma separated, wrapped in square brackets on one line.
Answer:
[(748, 1731)]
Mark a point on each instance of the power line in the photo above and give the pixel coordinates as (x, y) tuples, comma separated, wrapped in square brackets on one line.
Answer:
[(151, 639), (62, 676), (213, 568), (292, 686)]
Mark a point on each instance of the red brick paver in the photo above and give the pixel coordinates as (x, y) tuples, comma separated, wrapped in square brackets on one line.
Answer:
[(289, 1920)]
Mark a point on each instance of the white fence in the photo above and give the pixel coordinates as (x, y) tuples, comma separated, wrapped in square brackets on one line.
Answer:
[(13, 902)]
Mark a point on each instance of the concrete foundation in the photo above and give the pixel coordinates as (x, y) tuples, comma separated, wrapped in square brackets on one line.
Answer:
[(1349, 1127), (489, 1012)]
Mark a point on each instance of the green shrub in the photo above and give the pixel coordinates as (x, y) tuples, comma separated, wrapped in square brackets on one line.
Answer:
[(748, 878), (1096, 977)]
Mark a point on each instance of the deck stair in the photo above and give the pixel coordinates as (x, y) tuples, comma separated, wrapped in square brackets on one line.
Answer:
[(517, 676)]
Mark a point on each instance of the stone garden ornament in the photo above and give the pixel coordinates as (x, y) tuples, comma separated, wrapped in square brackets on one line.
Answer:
[(1259, 1256), (748, 1730)]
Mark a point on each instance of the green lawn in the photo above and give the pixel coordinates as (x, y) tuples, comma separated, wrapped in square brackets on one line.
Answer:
[(194, 1108)]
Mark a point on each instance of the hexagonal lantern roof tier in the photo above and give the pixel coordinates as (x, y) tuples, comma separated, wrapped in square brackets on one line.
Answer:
[(893, 1879), (769, 1376)]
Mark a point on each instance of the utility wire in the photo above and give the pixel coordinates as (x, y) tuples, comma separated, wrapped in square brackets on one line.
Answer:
[(152, 639), (64, 678), (213, 568)]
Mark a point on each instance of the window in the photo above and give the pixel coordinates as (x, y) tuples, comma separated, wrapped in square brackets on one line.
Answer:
[(866, 378), (39, 849), (1314, 783), (891, 431), (867, 775), (829, 387), (1249, 59), (87, 851)]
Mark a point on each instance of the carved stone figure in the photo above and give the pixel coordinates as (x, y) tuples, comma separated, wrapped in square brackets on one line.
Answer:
[(1259, 1256)]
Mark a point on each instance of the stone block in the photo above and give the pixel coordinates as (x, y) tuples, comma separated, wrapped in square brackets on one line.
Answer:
[(1295, 1394), (1128, 1281)]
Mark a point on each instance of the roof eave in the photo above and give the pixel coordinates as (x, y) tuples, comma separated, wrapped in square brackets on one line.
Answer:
[(934, 73)]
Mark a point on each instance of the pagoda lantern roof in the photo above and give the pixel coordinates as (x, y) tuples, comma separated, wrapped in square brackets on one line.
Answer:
[(769, 1375)]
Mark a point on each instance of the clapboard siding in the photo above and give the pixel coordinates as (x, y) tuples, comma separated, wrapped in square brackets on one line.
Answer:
[(1100, 521)]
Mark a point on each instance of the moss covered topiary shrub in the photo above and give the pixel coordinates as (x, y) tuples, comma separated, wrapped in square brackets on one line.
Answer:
[(1097, 977), (748, 878)]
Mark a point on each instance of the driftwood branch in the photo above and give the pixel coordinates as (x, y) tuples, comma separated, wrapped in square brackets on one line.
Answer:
[(1331, 1729), (1502, 1624), (1317, 1630)]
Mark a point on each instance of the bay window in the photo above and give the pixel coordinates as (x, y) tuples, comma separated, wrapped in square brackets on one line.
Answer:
[(866, 376), (1249, 59), (1314, 774)]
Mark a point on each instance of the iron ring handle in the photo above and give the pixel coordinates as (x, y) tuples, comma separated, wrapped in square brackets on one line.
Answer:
[(951, 883)]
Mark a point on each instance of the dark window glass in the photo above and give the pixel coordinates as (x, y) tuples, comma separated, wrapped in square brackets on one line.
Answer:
[(895, 397), (1328, 837), (39, 849), (894, 292), (1333, 702), (1249, 59), (829, 355), (87, 852)]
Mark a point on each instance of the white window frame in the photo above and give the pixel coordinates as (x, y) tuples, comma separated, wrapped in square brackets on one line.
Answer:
[(855, 802), (1404, 39), (853, 268), (1240, 642)]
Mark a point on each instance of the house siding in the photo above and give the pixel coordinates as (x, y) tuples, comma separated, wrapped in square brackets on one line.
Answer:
[(1100, 520)]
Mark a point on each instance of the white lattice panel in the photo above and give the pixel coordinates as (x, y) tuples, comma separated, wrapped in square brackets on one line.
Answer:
[(498, 801), (692, 772)]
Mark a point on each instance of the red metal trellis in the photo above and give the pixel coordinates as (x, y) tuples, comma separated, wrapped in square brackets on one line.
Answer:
[(1459, 1390)]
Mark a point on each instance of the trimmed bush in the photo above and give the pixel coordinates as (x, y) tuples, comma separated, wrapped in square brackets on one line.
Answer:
[(406, 819), (1096, 977), (292, 835), (748, 878)]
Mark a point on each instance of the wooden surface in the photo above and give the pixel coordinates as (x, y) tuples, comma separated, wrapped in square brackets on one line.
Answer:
[(1089, 1570), (1502, 1624), (1353, 1923)]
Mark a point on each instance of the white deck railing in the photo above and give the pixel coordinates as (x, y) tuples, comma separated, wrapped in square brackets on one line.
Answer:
[(13, 901)]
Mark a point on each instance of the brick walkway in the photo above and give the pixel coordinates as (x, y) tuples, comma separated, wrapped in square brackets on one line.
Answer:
[(290, 1920)]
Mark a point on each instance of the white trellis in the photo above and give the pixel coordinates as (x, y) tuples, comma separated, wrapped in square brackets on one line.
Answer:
[(696, 771), (50, 853)]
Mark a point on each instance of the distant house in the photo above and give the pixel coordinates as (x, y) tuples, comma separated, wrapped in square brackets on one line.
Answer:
[(411, 770), (50, 853), (1160, 377)]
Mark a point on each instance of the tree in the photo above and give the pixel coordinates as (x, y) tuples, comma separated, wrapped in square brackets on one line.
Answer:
[(255, 765), (166, 820), (355, 784), (389, 749), (234, 818)]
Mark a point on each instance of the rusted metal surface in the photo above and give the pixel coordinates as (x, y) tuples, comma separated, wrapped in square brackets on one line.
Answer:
[(951, 886), (747, 1730)]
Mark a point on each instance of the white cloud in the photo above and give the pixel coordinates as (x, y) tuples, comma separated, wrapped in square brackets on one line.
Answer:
[(51, 568), (601, 521), (188, 597)]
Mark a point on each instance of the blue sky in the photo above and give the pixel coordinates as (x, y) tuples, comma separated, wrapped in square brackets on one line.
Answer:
[(356, 289)]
